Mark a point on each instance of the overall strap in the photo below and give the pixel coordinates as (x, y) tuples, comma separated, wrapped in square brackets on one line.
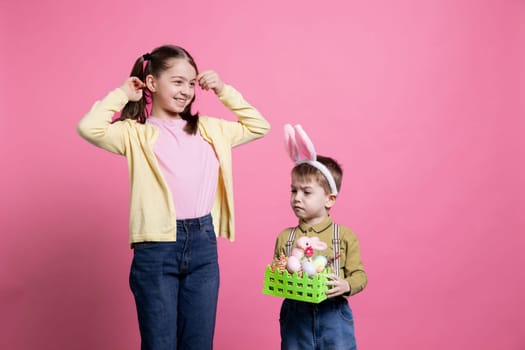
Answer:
[(289, 242), (336, 241)]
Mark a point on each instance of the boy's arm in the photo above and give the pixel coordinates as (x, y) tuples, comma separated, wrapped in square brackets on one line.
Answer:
[(354, 271), (280, 245)]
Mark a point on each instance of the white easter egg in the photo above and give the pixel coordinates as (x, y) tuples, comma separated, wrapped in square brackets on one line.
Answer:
[(293, 264), (309, 268)]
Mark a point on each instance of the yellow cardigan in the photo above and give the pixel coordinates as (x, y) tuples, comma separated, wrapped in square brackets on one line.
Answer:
[(152, 212)]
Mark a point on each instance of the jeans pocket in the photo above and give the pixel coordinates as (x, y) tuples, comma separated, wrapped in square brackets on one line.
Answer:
[(210, 234), (283, 312), (283, 318), (346, 314)]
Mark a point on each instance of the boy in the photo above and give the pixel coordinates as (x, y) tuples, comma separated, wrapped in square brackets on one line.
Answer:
[(329, 324)]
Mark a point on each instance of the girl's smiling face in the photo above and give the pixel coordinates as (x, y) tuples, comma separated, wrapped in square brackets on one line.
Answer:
[(173, 90)]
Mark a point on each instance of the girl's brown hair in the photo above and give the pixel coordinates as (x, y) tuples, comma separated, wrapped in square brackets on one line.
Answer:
[(155, 63)]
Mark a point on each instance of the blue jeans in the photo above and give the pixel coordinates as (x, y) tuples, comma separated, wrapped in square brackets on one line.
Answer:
[(328, 325), (176, 285)]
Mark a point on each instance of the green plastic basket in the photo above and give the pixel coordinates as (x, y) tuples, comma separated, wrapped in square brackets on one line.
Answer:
[(291, 286)]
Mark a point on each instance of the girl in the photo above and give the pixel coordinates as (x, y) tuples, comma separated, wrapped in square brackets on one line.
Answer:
[(181, 189)]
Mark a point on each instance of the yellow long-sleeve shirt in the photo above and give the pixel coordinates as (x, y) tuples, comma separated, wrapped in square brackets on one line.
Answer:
[(152, 212)]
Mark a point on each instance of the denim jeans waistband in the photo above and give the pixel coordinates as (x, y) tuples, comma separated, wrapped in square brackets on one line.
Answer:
[(195, 222), (325, 304)]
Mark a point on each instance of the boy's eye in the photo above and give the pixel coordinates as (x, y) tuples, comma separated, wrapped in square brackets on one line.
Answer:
[(192, 84)]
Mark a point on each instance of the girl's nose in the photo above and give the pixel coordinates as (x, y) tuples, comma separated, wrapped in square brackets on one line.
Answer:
[(185, 90)]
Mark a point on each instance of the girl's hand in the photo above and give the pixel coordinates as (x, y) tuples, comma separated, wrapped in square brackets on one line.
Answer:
[(339, 286), (133, 88), (209, 79)]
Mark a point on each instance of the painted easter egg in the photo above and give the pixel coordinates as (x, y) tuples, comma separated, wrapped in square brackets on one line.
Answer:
[(309, 268), (320, 262), (293, 264)]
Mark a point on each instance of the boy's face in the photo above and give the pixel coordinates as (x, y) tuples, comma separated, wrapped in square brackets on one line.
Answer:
[(309, 201)]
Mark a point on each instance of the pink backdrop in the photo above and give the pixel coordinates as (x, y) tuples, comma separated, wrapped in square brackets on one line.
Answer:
[(419, 100)]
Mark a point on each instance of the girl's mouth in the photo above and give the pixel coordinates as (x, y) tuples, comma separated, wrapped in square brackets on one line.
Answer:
[(181, 101)]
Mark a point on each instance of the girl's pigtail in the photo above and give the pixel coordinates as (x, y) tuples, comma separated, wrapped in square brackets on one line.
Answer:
[(137, 110), (192, 120)]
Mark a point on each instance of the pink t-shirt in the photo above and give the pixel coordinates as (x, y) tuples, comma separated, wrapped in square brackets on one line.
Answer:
[(189, 165)]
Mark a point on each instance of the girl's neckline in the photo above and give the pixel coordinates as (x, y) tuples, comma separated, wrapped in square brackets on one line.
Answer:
[(165, 121)]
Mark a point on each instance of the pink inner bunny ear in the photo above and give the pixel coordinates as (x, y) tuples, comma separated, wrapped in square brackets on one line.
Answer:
[(305, 146), (291, 145)]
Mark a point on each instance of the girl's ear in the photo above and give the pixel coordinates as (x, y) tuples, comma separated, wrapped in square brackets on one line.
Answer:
[(150, 82)]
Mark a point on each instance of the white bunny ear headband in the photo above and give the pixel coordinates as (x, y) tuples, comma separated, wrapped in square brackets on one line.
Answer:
[(301, 150)]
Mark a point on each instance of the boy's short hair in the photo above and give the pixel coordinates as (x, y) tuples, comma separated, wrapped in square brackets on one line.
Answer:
[(306, 171)]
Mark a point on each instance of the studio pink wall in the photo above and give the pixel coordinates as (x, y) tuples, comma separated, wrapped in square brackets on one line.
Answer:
[(421, 101)]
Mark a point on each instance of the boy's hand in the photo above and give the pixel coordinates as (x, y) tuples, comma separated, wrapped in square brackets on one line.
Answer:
[(133, 88), (209, 79), (339, 286)]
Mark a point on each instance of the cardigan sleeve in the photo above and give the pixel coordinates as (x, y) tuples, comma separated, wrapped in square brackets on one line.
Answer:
[(250, 125), (97, 127)]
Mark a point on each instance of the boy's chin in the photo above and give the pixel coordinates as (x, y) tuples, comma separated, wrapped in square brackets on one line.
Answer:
[(298, 214), (302, 218)]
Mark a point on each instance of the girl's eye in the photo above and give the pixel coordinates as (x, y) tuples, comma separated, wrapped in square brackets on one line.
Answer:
[(192, 84)]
